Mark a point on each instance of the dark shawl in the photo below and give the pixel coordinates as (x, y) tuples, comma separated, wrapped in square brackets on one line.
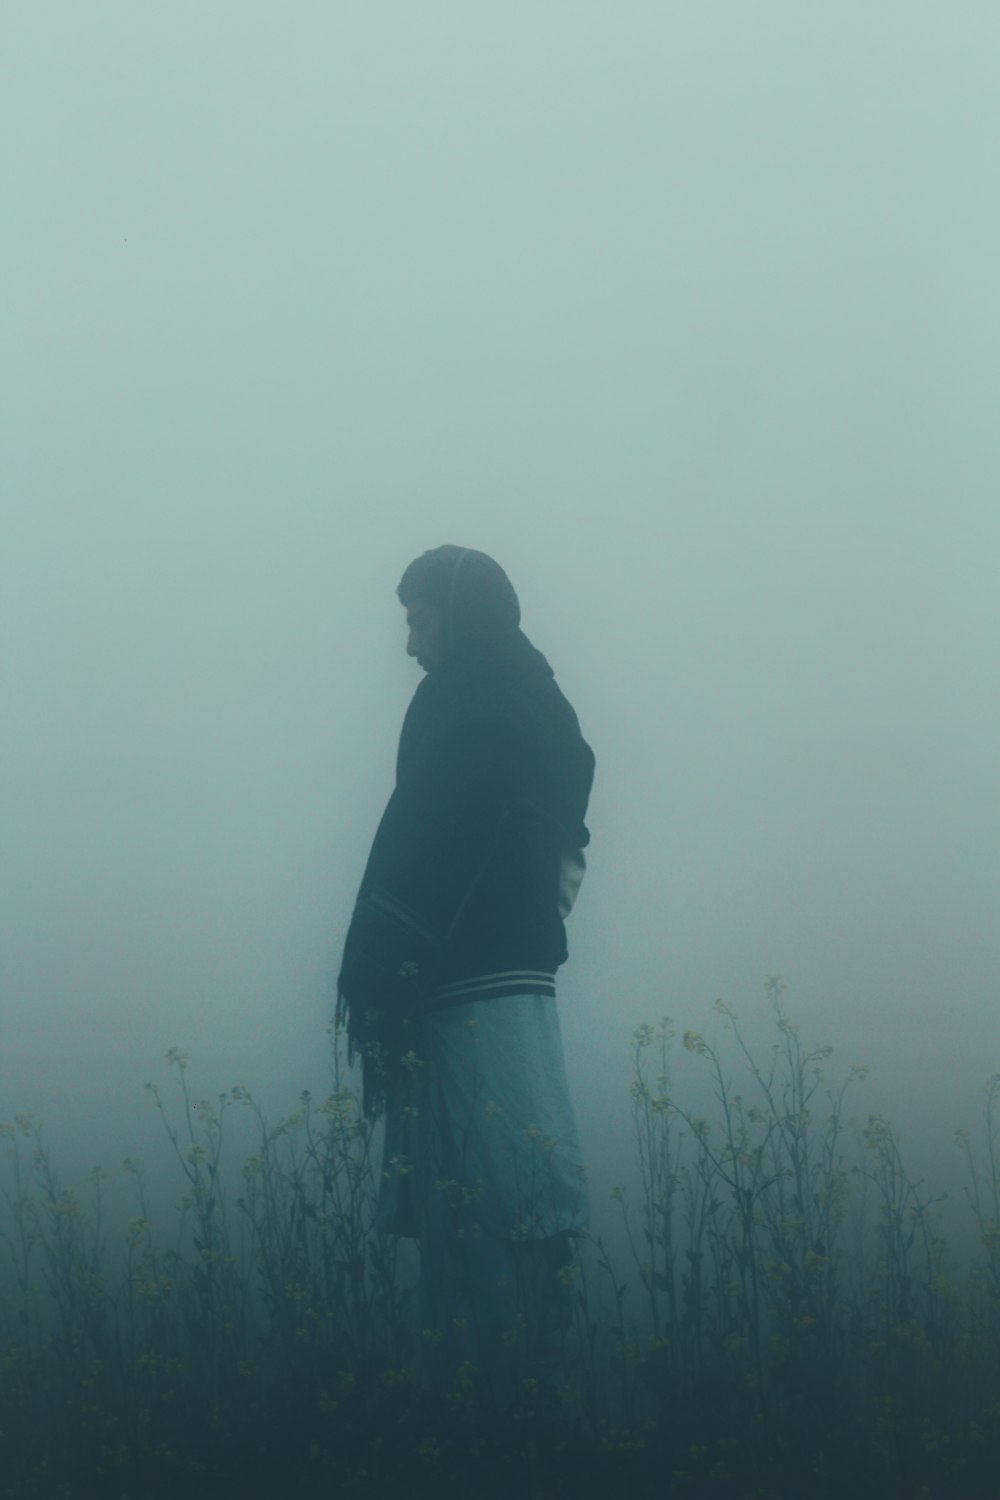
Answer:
[(491, 768)]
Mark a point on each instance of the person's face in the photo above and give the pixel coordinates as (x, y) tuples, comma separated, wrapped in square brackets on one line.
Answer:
[(426, 638)]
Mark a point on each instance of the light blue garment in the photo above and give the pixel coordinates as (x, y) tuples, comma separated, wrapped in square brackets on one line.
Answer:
[(482, 1164), (488, 1119)]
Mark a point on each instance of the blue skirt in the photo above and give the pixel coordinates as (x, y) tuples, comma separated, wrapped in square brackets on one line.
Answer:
[(487, 1120), (482, 1166)]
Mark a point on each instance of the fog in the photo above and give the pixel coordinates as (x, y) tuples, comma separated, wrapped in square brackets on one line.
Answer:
[(688, 315)]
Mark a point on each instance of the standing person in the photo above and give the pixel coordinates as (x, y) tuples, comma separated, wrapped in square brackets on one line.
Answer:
[(448, 980)]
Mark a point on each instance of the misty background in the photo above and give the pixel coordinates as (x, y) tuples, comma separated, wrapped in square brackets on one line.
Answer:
[(687, 313)]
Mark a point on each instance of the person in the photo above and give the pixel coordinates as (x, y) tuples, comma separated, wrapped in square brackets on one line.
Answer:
[(447, 985)]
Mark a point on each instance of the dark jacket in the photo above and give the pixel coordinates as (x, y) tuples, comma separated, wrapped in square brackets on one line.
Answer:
[(461, 895)]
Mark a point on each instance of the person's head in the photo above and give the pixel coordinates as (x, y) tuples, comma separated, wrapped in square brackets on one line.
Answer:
[(454, 595)]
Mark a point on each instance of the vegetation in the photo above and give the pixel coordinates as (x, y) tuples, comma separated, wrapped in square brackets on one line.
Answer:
[(786, 1321)]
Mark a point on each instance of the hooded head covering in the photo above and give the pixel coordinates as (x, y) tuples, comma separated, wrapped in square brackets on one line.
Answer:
[(476, 596)]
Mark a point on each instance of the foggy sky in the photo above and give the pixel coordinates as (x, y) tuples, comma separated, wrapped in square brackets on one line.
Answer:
[(688, 314)]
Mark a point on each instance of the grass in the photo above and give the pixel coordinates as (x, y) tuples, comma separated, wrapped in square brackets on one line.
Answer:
[(786, 1321)]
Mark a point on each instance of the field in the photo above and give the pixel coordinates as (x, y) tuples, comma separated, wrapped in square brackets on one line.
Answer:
[(786, 1321)]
